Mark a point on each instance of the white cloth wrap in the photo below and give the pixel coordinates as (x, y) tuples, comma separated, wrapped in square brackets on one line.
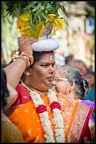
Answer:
[(49, 44)]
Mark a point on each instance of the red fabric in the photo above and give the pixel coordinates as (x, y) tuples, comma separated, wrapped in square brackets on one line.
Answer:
[(23, 96), (86, 132)]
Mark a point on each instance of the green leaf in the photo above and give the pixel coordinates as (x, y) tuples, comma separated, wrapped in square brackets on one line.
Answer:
[(43, 16), (28, 7), (64, 10), (30, 21), (42, 7), (32, 34), (39, 18), (36, 7)]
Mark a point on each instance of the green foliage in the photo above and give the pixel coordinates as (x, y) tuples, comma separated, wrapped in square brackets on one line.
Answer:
[(38, 10), (11, 10)]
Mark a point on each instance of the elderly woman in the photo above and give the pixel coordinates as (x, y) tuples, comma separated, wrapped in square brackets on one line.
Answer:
[(76, 86), (69, 81), (40, 114)]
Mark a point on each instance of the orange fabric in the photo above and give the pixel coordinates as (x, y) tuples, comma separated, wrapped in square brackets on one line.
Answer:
[(69, 108), (27, 119), (72, 118), (76, 117)]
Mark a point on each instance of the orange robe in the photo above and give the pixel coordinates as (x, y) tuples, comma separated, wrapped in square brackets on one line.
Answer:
[(75, 114)]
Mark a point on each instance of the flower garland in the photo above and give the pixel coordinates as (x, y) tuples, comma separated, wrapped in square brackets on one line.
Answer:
[(57, 117)]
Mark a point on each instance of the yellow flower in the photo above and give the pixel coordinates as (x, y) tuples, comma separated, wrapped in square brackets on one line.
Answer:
[(51, 17), (25, 17), (26, 29), (39, 30), (56, 22), (23, 24)]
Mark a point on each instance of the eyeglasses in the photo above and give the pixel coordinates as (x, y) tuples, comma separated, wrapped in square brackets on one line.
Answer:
[(56, 79)]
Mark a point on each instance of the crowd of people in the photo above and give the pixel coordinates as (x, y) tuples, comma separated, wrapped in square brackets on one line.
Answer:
[(86, 72), (45, 103)]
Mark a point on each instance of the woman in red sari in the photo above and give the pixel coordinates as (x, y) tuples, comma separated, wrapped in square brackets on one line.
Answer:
[(41, 114)]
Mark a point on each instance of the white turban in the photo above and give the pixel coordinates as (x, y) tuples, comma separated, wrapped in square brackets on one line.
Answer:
[(49, 44)]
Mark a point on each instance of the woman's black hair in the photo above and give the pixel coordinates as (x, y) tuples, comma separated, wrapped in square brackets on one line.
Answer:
[(68, 58), (38, 55), (85, 86), (74, 76), (4, 89)]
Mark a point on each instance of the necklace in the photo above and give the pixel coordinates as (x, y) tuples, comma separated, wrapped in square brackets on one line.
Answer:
[(44, 118)]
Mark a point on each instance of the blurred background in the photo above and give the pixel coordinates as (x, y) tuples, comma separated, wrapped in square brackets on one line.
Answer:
[(78, 40)]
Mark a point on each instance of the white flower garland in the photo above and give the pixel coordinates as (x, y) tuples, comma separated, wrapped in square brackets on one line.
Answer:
[(57, 117), (43, 117)]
